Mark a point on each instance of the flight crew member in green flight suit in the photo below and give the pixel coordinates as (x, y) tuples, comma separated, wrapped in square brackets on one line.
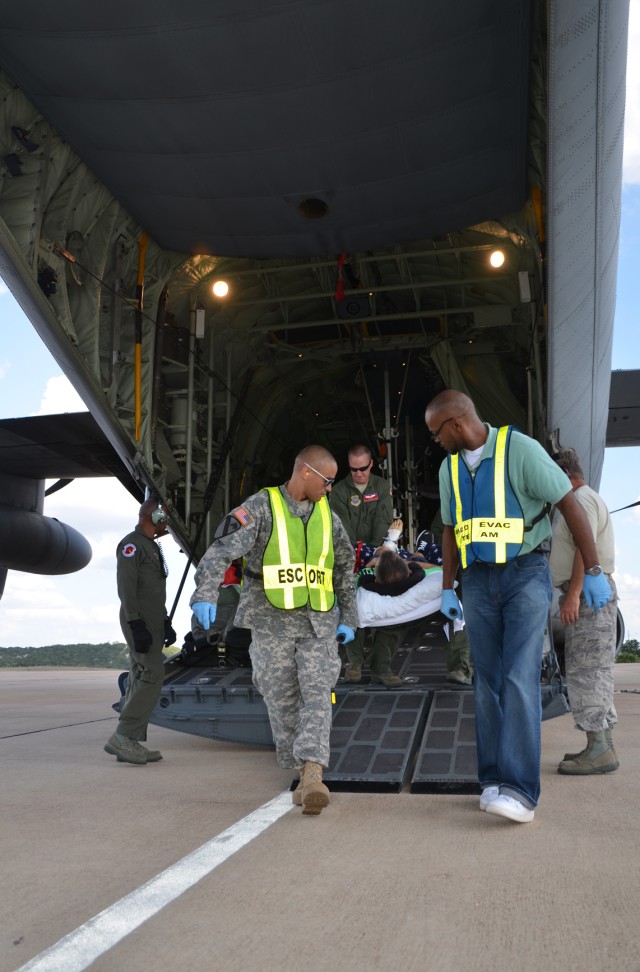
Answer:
[(363, 502), (142, 589)]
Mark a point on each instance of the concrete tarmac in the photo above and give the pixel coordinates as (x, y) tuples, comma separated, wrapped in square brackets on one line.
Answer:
[(376, 882)]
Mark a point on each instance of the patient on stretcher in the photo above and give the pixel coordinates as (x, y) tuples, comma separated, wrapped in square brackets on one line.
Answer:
[(394, 587)]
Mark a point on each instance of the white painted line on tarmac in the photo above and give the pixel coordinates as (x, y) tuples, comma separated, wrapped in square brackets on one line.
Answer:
[(77, 950)]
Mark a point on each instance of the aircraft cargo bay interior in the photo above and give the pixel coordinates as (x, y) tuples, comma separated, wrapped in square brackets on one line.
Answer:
[(300, 233)]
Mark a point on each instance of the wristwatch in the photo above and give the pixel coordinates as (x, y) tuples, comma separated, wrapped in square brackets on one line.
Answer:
[(594, 571)]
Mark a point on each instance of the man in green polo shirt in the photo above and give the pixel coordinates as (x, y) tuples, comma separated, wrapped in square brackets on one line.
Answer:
[(495, 487)]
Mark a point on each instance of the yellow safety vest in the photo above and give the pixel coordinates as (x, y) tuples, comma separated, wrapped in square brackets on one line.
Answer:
[(297, 564), (487, 515)]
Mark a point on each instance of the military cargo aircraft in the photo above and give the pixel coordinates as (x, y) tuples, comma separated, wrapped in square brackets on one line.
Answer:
[(242, 227)]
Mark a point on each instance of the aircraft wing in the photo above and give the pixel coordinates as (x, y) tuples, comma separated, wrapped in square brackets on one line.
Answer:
[(66, 446)]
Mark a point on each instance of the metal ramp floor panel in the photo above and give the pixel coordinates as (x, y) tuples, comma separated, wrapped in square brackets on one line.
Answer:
[(374, 737), (446, 760)]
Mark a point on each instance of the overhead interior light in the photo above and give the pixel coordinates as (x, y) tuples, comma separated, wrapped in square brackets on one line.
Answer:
[(496, 258), (220, 288)]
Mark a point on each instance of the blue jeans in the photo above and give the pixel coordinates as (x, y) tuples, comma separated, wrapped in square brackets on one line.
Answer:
[(506, 608)]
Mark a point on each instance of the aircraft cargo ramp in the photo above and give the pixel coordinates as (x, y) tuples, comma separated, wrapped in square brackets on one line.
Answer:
[(419, 734)]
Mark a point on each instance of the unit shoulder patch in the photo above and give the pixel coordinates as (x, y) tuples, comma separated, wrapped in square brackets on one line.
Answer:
[(129, 550), (355, 500)]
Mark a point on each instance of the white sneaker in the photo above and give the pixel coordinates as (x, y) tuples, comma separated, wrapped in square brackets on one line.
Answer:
[(508, 806), (488, 796)]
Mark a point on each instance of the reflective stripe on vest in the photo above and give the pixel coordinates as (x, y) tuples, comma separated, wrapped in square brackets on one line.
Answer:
[(488, 517), (297, 564)]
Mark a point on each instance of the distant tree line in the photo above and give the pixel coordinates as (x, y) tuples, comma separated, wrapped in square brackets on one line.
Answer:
[(108, 655), (630, 651)]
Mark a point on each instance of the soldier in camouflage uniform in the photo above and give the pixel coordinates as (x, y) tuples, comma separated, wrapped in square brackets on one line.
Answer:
[(590, 636), (142, 585), (294, 652)]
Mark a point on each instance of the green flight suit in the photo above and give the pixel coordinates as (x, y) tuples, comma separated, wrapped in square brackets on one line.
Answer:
[(367, 516), (142, 589)]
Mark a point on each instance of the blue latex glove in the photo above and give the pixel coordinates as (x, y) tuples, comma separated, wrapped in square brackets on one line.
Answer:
[(345, 634), (205, 613), (450, 605), (596, 590)]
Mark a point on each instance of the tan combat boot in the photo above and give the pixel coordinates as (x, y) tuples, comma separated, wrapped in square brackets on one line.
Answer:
[(127, 750), (315, 795), (296, 796), (609, 738), (598, 757)]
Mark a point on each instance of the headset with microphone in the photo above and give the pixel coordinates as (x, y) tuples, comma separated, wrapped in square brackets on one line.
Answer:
[(159, 515)]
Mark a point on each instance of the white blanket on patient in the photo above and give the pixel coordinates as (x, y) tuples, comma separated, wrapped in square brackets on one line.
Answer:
[(377, 610)]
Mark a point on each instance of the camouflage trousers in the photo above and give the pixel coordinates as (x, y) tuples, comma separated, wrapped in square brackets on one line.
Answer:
[(589, 657), (295, 677)]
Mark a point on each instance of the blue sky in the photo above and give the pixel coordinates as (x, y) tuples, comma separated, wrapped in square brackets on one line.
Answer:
[(83, 607)]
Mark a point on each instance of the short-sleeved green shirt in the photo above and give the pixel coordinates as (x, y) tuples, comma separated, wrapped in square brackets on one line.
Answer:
[(534, 476)]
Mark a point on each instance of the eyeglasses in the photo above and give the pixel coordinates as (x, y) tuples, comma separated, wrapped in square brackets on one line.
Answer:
[(327, 481), (361, 468), (435, 435)]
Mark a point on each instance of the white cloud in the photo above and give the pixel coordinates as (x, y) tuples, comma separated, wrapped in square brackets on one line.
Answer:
[(629, 597), (629, 584), (631, 160), (3, 288), (60, 396), (28, 588), (4, 368)]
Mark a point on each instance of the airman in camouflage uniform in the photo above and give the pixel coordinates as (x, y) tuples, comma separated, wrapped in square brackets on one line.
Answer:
[(294, 652), (590, 636)]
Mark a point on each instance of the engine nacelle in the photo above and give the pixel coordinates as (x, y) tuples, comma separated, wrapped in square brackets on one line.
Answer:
[(29, 540), (40, 544)]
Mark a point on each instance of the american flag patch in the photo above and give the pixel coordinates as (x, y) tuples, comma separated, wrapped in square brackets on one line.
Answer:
[(370, 497), (242, 516)]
